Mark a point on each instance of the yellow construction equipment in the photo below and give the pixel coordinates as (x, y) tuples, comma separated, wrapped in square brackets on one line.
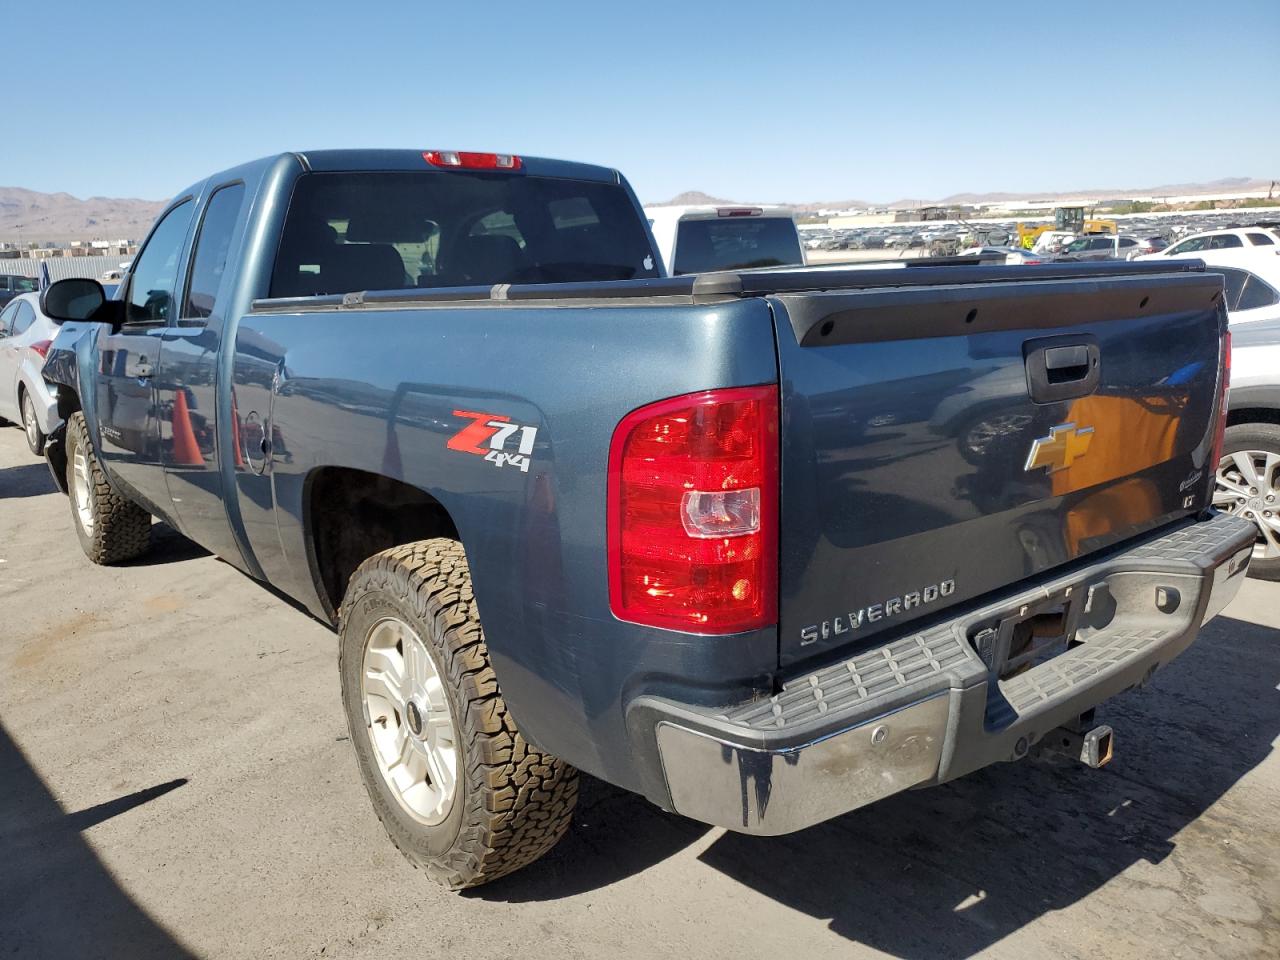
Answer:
[(1065, 218)]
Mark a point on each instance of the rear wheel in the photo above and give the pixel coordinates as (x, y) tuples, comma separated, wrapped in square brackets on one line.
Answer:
[(109, 527), (31, 426), (1248, 485), (457, 787)]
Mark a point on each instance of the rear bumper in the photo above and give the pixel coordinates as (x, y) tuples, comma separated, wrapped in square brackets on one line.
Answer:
[(43, 398), (927, 708)]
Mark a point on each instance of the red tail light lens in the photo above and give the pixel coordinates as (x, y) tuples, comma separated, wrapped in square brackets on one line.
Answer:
[(693, 512), (1223, 389), (42, 347), (462, 160)]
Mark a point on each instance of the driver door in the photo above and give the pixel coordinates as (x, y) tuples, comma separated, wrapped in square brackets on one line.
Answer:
[(128, 411)]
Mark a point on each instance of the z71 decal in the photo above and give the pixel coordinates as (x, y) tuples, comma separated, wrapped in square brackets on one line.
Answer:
[(489, 435)]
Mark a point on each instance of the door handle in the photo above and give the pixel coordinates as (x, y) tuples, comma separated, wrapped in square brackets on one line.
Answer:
[(1062, 368)]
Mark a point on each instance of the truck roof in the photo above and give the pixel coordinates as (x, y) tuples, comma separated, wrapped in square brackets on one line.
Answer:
[(412, 159), (714, 211)]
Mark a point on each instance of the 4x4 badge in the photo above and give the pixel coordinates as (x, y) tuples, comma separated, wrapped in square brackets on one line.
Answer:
[(1065, 444), (487, 435)]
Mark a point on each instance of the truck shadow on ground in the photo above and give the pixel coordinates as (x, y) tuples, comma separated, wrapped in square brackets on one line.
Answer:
[(25, 480), (951, 870), (57, 899)]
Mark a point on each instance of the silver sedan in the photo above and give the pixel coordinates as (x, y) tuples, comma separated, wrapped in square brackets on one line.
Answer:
[(25, 398)]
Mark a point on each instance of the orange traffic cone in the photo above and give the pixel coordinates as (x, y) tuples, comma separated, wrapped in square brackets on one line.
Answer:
[(236, 442), (185, 449)]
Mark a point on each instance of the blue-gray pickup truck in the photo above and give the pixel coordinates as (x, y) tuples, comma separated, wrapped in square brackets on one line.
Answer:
[(762, 546)]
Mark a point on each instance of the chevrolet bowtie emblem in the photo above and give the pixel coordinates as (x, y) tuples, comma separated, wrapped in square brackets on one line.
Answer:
[(1061, 448)]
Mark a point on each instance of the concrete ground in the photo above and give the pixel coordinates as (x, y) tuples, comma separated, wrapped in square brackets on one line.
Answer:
[(175, 780)]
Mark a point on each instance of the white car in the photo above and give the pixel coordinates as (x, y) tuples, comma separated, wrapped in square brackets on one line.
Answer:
[(25, 398), (1013, 256), (701, 238), (1242, 241), (1252, 280)]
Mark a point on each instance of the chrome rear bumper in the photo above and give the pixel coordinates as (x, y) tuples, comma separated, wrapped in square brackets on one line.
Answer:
[(927, 708)]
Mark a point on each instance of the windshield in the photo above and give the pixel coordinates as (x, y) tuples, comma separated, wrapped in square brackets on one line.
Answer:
[(386, 231), (736, 243)]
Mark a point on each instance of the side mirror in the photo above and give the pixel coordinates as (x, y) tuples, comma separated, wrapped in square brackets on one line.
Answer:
[(78, 299)]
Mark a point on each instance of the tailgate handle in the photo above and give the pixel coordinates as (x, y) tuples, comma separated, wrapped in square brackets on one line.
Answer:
[(1062, 368)]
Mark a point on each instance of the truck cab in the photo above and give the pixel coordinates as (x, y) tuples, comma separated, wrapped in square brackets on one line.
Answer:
[(701, 238)]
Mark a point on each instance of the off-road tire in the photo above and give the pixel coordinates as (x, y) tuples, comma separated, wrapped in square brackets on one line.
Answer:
[(121, 529), (1255, 436), (513, 802)]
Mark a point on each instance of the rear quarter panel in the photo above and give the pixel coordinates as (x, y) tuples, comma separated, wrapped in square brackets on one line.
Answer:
[(377, 390)]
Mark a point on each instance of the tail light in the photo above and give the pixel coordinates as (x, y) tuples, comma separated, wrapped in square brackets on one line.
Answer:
[(42, 347), (693, 512), (739, 211), (463, 160), (1224, 388)]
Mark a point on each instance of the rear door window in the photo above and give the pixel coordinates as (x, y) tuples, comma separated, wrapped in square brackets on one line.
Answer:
[(6, 319), (213, 244), (1257, 293), (1224, 241), (26, 316), (1235, 281), (353, 231), (736, 243)]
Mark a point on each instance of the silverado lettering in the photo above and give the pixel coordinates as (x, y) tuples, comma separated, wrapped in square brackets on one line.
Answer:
[(875, 612)]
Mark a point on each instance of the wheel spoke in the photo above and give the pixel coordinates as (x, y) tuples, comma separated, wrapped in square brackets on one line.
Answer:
[(1226, 483), (1270, 530), (377, 684), (1248, 470), (1223, 497), (440, 766)]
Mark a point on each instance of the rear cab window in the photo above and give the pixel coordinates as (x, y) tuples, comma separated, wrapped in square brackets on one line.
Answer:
[(363, 230), (735, 243)]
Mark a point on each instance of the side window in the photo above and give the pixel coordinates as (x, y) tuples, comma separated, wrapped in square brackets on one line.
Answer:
[(1261, 240), (6, 319), (1257, 294), (1224, 240), (1101, 243), (1189, 246), (25, 318), (155, 272), (1234, 285), (212, 246), (1126, 242)]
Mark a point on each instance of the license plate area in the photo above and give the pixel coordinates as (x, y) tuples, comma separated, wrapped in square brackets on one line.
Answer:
[(1024, 638)]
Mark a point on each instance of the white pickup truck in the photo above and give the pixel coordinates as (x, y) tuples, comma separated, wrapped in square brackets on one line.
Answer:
[(705, 237)]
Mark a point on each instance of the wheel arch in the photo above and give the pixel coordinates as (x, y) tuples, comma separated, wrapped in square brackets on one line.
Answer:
[(349, 515), (1243, 415)]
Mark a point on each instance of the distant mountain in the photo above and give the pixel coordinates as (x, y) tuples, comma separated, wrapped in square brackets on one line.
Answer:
[(1225, 185), (691, 197), (28, 215)]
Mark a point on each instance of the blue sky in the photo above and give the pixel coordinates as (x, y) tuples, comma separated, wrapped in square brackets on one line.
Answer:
[(749, 101)]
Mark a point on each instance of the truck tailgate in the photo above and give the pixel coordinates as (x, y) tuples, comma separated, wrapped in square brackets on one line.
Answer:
[(941, 442)]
